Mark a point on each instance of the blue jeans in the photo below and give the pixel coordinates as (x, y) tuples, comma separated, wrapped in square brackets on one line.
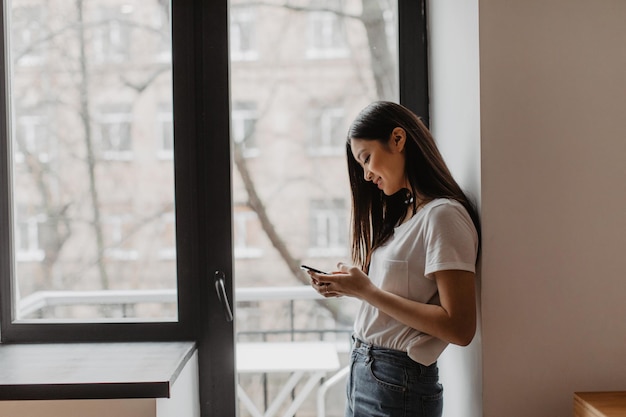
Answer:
[(387, 383)]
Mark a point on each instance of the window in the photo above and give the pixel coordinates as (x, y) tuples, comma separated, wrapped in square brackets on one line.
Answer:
[(167, 237), (28, 23), (328, 228), (165, 134), (244, 119), (320, 63), (162, 19), (33, 138), (100, 109), (119, 238), (326, 33), (112, 34), (328, 131), (114, 132), (247, 233), (77, 220), (242, 33), (28, 236)]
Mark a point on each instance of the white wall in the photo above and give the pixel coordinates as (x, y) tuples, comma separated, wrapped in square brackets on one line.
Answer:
[(184, 398), (553, 126), (455, 123)]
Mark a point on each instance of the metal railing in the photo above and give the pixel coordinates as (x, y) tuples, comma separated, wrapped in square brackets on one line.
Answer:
[(45, 299)]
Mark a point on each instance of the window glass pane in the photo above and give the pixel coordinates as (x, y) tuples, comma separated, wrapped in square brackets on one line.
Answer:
[(300, 72), (92, 144)]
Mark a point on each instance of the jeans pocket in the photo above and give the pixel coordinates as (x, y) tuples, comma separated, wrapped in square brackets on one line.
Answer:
[(428, 374), (432, 405), (386, 375)]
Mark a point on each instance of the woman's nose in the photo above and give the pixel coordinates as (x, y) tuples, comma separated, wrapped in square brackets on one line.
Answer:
[(367, 175)]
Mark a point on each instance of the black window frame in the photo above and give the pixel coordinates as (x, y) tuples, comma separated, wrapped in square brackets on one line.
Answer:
[(201, 106), (185, 67), (413, 57)]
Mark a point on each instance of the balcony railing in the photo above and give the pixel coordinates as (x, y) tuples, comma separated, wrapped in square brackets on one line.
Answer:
[(46, 299)]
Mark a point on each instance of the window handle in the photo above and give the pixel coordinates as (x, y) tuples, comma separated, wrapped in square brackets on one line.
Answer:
[(220, 289)]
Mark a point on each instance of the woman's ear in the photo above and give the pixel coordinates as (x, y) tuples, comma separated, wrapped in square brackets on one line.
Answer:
[(398, 139)]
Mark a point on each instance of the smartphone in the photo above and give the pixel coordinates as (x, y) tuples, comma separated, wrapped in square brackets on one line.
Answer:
[(308, 268)]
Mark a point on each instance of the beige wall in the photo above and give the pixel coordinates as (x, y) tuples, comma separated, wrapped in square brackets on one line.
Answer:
[(553, 127), (145, 407)]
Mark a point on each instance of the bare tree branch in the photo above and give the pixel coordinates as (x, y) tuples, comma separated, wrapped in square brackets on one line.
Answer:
[(91, 160)]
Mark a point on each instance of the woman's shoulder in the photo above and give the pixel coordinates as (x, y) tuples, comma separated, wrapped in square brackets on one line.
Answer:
[(444, 204), (443, 209)]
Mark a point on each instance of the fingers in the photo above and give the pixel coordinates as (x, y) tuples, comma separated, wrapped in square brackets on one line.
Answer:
[(343, 267), (324, 289), (329, 285), (320, 278)]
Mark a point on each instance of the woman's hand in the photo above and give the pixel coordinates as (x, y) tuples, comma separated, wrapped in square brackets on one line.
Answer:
[(348, 280), (453, 321)]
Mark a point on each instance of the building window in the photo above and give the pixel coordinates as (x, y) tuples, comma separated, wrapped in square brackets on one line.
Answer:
[(28, 229), (33, 138), (112, 34), (328, 131), (114, 132), (164, 38), (28, 33), (242, 34), (326, 31), (328, 228), (247, 231), (165, 133), (167, 236), (244, 118), (118, 238)]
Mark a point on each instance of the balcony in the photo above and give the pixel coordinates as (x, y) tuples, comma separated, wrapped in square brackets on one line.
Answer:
[(304, 353)]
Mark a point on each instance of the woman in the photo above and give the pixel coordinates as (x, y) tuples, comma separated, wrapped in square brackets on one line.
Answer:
[(414, 249)]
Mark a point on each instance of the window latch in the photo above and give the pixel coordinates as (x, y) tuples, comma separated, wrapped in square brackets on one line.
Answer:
[(220, 289)]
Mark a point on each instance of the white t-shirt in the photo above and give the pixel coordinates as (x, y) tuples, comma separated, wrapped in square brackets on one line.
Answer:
[(440, 236)]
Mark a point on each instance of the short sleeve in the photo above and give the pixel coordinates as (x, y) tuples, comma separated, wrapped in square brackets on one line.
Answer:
[(451, 240)]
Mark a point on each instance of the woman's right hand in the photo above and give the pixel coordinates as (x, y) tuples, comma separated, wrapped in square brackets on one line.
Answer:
[(348, 280)]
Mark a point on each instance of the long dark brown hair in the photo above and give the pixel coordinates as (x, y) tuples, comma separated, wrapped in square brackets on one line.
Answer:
[(374, 214)]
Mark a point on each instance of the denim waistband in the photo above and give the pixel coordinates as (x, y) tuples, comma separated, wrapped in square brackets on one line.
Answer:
[(368, 349), (359, 345)]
